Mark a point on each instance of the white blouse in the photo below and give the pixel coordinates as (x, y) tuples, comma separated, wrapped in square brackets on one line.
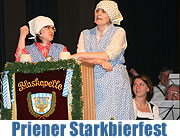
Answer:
[(154, 115), (117, 45)]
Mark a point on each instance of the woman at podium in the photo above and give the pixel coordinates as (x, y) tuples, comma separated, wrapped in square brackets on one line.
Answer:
[(42, 31), (104, 46)]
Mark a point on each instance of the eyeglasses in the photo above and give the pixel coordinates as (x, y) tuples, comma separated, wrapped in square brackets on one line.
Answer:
[(50, 27), (173, 93)]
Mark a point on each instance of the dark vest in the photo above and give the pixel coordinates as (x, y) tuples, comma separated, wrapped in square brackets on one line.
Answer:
[(143, 118)]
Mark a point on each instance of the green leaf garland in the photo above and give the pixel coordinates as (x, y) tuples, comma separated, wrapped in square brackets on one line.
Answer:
[(40, 67)]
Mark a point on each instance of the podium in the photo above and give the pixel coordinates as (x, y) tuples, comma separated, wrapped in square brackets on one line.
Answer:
[(82, 86), (88, 91)]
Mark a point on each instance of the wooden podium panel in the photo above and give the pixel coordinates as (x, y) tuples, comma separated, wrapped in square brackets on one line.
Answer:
[(88, 91)]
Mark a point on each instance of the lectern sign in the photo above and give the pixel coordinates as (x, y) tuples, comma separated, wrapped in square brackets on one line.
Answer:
[(39, 95)]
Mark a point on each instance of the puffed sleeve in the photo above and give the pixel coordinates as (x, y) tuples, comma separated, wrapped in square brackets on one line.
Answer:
[(117, 45), (80, 46)]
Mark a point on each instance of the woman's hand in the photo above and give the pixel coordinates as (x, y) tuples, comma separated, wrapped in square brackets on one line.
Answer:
[(24, 31), (105, 65), (75, 56)]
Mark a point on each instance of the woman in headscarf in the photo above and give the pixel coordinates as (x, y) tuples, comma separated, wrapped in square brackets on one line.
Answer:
[(42, 29), (104, 46)]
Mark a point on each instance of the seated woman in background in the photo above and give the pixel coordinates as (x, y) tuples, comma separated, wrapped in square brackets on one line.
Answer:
[(143, 91)]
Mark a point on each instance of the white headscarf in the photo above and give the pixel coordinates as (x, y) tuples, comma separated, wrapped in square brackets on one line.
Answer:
[(111, 8), (36, 24)]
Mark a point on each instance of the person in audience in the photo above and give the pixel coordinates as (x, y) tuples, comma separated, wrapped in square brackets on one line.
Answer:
[(173, 92), (104, 46), (159, 90), (143, 92), (42, 30)]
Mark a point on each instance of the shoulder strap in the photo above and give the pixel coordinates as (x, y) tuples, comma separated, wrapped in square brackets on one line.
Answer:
[(161, 90), (152, 105)]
